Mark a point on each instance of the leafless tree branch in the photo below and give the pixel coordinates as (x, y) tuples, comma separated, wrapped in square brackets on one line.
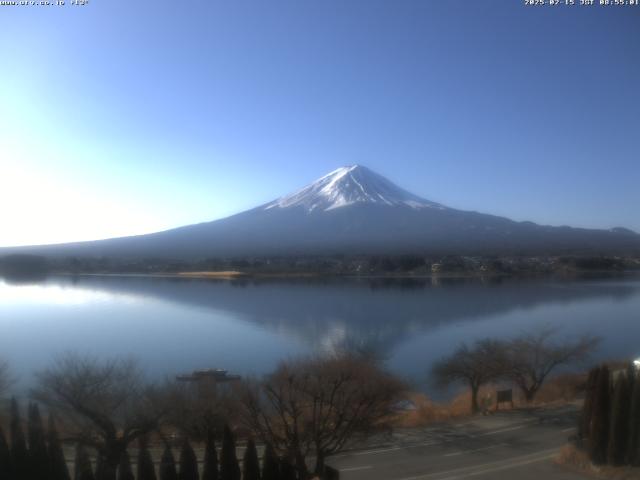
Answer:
[(107, 403), (317, 406)]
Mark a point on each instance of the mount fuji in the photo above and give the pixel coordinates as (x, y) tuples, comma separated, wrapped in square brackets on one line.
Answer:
[(352, 210)]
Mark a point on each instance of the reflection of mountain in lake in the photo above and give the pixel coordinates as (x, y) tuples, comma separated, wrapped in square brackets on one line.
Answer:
[(374, 314)]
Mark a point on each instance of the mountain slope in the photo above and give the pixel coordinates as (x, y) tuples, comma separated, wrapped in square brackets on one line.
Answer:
[(353, 210)]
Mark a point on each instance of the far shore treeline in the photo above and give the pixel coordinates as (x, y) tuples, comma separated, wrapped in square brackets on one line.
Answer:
[(19, 266)]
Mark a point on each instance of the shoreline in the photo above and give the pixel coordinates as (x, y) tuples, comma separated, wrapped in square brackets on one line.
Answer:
[(237, 275)]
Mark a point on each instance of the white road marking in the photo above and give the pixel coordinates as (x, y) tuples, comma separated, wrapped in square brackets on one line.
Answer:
[(430, 444), (568, 429), (353, 469), (488, 467), (390, 449), (496, 432), (462, 452)]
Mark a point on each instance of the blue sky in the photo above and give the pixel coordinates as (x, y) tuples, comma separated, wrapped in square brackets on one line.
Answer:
[(124, 117)]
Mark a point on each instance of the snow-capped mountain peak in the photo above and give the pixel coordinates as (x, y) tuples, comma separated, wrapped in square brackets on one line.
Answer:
[(347, 186)]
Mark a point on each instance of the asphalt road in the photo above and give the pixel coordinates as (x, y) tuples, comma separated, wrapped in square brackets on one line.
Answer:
[(515, 445)]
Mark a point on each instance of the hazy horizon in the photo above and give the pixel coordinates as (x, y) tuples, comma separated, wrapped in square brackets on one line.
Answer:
[(122, 119)]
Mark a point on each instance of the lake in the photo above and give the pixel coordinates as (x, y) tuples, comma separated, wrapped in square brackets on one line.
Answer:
[(247, 326)]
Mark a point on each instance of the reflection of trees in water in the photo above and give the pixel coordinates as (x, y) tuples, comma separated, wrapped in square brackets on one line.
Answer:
[(371, 314), (23, 269)]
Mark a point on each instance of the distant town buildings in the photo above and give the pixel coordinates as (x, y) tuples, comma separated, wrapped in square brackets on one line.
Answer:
[(209, 380)]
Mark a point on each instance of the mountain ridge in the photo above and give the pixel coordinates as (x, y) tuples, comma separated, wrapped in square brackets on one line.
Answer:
[(351, 210)]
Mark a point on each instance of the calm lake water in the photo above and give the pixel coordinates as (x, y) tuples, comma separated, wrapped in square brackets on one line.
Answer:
[(178, 325)]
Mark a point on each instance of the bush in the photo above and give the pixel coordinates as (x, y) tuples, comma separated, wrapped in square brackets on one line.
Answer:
[(618, 429), (633, 444), (610, 420), (599, 436)]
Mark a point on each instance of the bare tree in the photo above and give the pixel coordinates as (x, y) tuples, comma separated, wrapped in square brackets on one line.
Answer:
[(532, 356), (318, 406), (106, 403), (198, 413), (475, 366)]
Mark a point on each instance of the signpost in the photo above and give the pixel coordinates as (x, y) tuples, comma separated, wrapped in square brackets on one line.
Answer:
[(503, 396)]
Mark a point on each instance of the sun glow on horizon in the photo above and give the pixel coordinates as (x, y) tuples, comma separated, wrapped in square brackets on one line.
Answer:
[(41, 207), (49, 194)]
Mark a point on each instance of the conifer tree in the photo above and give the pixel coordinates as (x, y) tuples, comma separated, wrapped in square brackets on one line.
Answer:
[(5, 457), (19, 451), (287, 472), (100, 472), (57, 462), (270, 467), (599, 435), (146, 470), (125, 472), (83, 469), (587, 409), (633, 444), (168, 465), (39, 457), (188, 463), (631, 375), (619, 425), (210, 468), (250, 463), (229, 468)]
